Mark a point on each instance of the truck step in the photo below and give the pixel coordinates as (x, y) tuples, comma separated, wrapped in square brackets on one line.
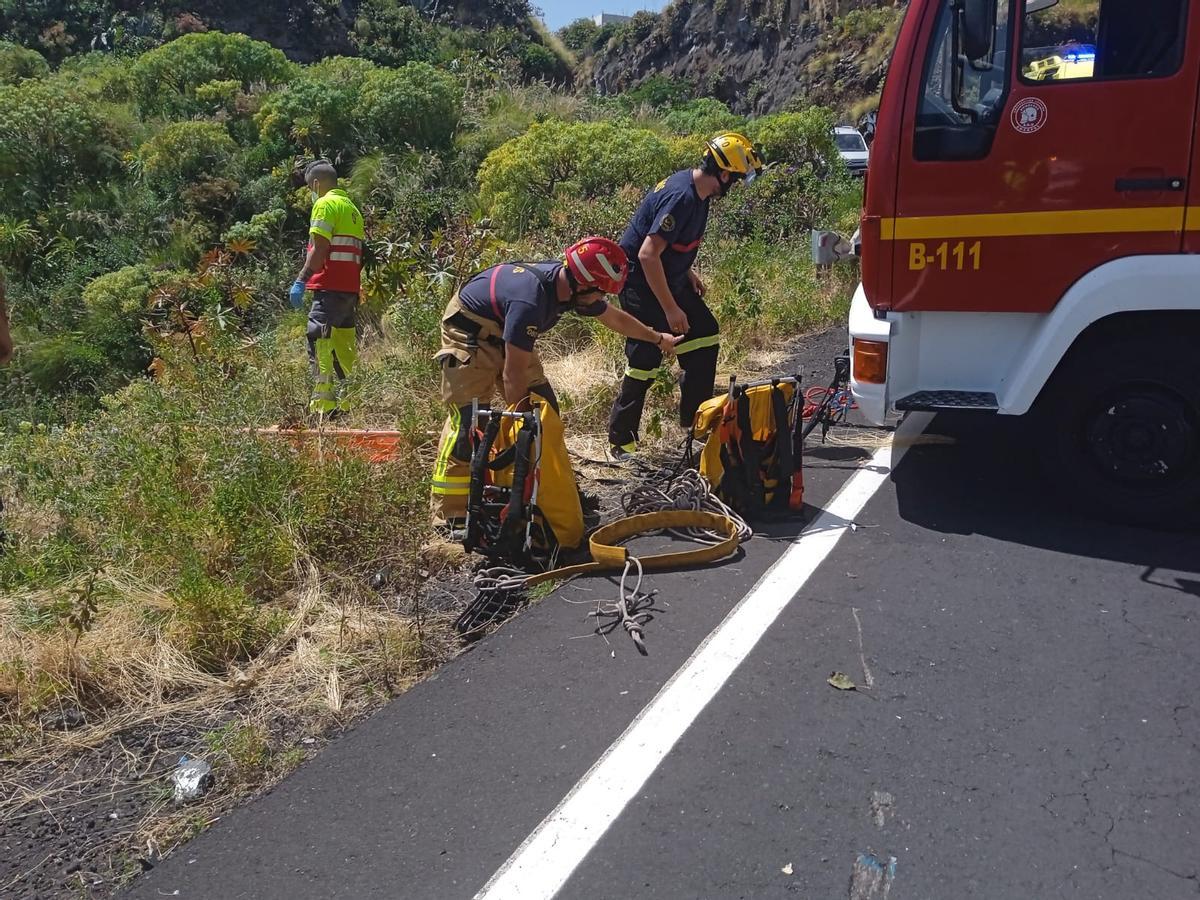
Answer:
[(935, 400)]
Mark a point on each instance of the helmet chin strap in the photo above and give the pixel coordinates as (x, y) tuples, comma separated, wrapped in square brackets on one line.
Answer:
[(576, 288)]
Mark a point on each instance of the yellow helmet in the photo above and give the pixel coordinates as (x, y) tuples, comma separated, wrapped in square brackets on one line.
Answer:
[(733, 152)]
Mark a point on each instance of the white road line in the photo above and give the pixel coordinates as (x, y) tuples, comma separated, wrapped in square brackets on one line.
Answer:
[(545, 860)]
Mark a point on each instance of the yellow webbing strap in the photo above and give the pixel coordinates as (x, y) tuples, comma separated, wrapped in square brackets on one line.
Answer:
[(607, 555)]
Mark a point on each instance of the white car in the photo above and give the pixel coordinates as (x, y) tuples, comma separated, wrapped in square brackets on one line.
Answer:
[(852, 149)]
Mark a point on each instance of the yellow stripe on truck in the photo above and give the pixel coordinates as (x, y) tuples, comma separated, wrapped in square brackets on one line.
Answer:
[(1036, 224)]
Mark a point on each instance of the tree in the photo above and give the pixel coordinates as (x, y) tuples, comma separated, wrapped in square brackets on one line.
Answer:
[(166, 78), (798, 138), (392, 33), (520, 180), (705, 116), (660, 91), (18, 63), (186, 152), (416, 105), (580, 36), (315, 112), (53, 138), (540, 63)]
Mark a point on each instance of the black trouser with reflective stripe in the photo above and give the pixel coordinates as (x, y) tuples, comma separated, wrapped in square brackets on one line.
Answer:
[(697, 358)]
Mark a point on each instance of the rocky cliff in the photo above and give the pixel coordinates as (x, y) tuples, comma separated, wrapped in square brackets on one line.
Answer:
[(758, 55)]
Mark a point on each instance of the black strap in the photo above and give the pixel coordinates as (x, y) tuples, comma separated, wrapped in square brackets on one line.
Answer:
[(503, 459), (516, 516), (752, 455), (464, 323), (479, 461), (785, 460)]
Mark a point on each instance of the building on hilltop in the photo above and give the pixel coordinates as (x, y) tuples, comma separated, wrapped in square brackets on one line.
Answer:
[(602, 19)]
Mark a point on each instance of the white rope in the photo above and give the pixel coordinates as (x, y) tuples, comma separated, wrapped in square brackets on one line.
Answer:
[(689, 490)]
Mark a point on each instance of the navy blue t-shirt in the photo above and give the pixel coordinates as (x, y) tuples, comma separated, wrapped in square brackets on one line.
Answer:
[(522, 298), (675, 211)]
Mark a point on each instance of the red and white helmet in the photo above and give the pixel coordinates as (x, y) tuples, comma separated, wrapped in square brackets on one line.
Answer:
[(598, 264)]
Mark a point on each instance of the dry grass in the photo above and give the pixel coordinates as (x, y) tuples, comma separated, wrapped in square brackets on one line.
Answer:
[(338, 652), (127, 669)]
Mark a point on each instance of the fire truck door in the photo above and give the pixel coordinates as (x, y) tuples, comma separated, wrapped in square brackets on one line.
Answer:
[(1068, 144)]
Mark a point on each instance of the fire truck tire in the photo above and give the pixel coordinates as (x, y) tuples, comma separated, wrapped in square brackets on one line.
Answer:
[(1120, 428)]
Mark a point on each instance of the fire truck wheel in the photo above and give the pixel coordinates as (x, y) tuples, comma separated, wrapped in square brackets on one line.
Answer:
[(1121, 428)]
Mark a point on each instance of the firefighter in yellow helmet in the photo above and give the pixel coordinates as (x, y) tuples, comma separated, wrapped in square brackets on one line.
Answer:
[(332, 271), (664, 291)]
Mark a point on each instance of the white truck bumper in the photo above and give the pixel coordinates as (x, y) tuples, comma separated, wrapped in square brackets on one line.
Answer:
[(872, 399)]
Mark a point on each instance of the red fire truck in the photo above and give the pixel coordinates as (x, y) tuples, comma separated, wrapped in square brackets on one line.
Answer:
[(1031, 243)]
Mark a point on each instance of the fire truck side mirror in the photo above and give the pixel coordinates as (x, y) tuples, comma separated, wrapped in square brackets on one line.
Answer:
[(977, 28), (828, 247), (1036, 6)]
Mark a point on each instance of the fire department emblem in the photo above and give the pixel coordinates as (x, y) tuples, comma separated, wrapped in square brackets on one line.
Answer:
[(1029, 115)]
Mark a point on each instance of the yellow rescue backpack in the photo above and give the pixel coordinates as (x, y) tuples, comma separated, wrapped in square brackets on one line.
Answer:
[(753, 446), (523, 503)]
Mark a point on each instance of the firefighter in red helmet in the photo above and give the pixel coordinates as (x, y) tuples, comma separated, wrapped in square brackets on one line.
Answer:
[(488, 334)]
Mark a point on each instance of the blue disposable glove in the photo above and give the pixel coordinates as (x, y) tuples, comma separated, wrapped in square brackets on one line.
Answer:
[(296, 294)]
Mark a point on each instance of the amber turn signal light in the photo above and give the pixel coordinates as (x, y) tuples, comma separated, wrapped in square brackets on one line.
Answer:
[(870, 361)]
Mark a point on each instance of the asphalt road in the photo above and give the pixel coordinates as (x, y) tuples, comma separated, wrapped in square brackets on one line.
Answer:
[(1028, 730)]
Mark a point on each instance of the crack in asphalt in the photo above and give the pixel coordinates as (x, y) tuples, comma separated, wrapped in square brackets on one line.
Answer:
[(1194, 877)]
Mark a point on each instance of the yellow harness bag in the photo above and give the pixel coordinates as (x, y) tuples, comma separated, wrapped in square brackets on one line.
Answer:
[(523, 499), (753, 447)]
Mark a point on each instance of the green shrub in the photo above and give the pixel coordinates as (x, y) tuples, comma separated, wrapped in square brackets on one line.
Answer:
[(64, 364), (165, 79), (19, 239), (17, 63), (346, 106), (186, 152), (116, 306), (104, 345), (573, 218), (580, 36), (392, 33), (798, 138), (415, 105), (785, 204), (704, 116), (765, 290), (660, 91), (103, 75), (520, 181), (171, 484), (863, 24), (124, 292), (540, 63), (53, 139), (219, 94), (263, 228), (312, 114)]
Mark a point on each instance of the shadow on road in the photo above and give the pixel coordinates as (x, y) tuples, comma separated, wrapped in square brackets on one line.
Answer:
[(977, 474)]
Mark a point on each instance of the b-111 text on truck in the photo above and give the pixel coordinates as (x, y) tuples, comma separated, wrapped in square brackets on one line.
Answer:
[(1030, 237)]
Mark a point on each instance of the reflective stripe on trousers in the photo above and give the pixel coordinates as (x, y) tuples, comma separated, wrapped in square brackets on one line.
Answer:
[(336, 355), (332, 349), (451, 483)]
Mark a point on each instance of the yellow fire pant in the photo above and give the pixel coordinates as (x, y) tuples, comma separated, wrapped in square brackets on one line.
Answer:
[(472, 363)]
